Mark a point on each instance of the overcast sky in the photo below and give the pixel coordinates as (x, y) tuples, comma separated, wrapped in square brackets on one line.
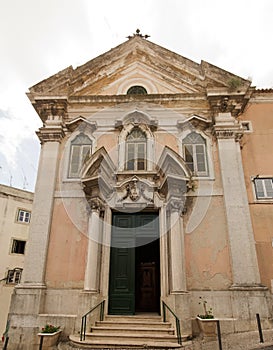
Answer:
[(41, 37)]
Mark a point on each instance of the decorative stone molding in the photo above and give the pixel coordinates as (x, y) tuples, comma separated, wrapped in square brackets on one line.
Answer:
[(137, 118), (177, 205), (135, 190), (96, 204), (52, 112), (82, 124), (228, 134), (195, 121), (223, 101), (227, 127), (51, 134), (50, 109)]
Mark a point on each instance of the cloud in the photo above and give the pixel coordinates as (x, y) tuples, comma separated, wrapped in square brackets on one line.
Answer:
[(43, 36), (40, 38)]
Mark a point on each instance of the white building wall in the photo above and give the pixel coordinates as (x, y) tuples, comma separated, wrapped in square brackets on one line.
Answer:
[(11, 200)]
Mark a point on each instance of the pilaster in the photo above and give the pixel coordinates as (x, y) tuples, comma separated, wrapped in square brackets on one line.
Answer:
[(92, 271), (242, 246), (177, 248), (50, 135)]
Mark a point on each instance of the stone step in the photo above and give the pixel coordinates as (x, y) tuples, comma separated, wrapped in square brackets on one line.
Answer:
[(134, 323), (122, 344), (142, 317), (122, 336), (126, 332), (132, 329)]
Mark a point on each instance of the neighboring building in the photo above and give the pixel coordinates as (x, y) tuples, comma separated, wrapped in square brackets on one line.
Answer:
[(15, 216), (140, 195), (257, 154)]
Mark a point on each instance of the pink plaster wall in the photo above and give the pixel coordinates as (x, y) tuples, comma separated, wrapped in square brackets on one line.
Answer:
[(207, 250), (66, 252), (257, 155)]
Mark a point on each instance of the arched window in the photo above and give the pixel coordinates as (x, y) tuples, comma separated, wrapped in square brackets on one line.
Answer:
[(136, 144), (137, 90), (80, 150), (195, 153)]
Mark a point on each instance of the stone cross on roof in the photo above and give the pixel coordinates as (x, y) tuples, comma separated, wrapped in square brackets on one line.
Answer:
[(137, 33)]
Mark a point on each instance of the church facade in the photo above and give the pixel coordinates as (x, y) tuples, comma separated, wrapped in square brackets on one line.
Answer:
[(143, 195)]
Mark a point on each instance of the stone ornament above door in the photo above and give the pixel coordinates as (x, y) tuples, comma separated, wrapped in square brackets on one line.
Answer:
[(126, 190)]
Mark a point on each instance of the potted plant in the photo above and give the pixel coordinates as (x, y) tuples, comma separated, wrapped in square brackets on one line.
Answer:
[(206, 321), (49, 336)]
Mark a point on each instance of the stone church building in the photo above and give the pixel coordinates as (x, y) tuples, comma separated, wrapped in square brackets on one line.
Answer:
[(141, 197)]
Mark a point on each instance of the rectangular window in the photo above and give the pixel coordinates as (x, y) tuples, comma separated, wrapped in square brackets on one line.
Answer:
[(130, 156), (188, 150), (200, 159), (14, 276), (18, 246), (141, 156), (79, 154), (195, 157), (264, 188), (75, 160), (23, 216)]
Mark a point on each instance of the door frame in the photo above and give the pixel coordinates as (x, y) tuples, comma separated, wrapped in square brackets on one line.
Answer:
[(132, 255)]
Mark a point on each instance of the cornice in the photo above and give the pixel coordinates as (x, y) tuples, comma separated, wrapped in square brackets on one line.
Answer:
[(136, 98), (51, 108)]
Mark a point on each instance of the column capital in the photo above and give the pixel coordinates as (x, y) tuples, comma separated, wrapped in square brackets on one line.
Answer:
[(96, 204), (177, 205), (51, 108), (223, 100), (51, 133), (227, 127)]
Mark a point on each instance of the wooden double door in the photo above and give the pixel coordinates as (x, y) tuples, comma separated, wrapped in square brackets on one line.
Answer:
[(134, 282)]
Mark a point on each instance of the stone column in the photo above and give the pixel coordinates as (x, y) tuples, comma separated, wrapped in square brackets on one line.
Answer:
[(177, 248), (36, 253), (92, 271), (241, 240)]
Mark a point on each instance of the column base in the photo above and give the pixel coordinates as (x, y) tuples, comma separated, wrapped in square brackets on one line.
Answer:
[(91, 291), (245, 286), (27, 285)]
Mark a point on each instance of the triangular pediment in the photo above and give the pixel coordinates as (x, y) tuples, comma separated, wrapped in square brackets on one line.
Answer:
[(99, 163), (81, 124), (171, 163), (136, 62)]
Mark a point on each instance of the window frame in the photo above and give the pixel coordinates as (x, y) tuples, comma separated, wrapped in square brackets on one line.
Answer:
[(136, 142), (136, 90), (14, 276), (14, 242), (194, 154), (265, 190), (25, 212), (74, 145)]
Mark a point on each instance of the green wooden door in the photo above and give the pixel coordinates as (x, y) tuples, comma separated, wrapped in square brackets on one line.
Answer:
[(122, 266), (127, 231)]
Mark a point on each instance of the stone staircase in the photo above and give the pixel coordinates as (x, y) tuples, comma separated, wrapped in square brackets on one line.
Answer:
[(125, 332)]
